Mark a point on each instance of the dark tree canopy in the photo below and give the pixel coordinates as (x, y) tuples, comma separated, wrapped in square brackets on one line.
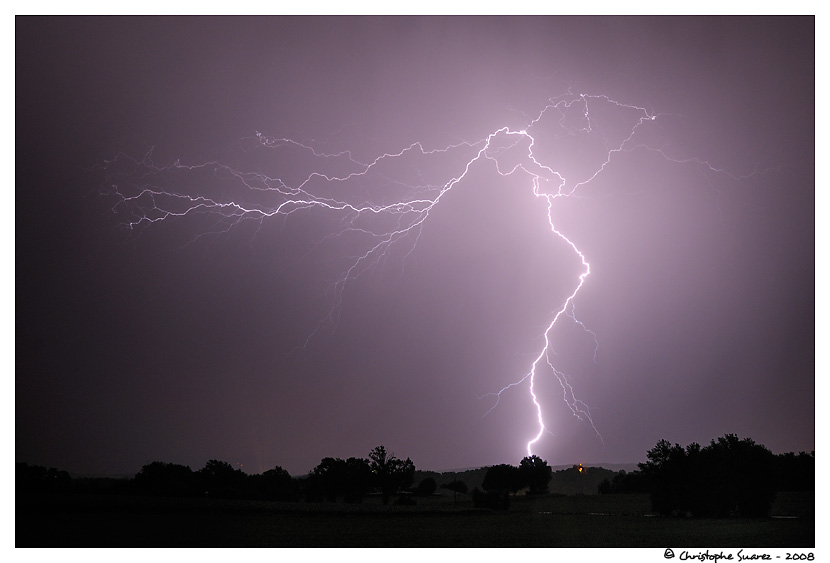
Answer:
[(219, 478), (795, 472), (389, 473), (275, 484), (624, 482), (503, 478), (328, 479), (457, 486), (38, 478), (536, 473), (426, 487), (729, 476), (358, 479), (159, 478)]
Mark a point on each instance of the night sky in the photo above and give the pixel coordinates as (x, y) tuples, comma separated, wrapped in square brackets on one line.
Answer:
[(227, 333)]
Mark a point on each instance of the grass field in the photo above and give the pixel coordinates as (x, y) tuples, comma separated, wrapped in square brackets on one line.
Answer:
[(551, 521)]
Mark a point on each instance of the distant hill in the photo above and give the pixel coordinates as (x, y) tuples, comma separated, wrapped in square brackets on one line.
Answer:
[(566, 479), (572, 481), (627, 467)]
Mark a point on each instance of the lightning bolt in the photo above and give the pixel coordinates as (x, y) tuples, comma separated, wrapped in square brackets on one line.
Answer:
[(394, 209)]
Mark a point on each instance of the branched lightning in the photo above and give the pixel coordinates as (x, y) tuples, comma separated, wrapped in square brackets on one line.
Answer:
[(398, 213)]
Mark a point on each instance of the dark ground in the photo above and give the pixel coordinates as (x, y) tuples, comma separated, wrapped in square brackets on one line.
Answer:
[(72, 520)]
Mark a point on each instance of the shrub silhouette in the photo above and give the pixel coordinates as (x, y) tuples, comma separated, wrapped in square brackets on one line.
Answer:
[(426, 487), (456, 486)]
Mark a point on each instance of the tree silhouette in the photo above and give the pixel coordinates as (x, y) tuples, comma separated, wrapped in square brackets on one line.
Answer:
[(159, 478), (623, 482), (219, 478), (277, 484), (38, 478), (536, 473), (328, 479), (426, 487), (729, 476), (739, 475), (358, 479), (334, 477), (667, 471), (503, 478), (389, 473), (795, 472)]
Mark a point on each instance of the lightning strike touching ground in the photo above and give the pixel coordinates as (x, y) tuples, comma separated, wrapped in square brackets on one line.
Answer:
[(377, 204)]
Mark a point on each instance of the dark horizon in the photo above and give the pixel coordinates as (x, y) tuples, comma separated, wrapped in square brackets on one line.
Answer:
[(628, 467), (205, 336)]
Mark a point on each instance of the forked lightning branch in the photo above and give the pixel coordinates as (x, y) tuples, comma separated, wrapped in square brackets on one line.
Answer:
[(337, 183)]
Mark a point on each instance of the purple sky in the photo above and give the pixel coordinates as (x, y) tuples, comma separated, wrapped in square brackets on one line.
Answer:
[(174, 341)]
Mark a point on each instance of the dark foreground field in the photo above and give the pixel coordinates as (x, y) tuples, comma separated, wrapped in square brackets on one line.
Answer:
[(566, 521)]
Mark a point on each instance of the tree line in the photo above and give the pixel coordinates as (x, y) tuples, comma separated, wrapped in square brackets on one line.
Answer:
[(350, 479), (503, 481), (728, 477), (333, 478)]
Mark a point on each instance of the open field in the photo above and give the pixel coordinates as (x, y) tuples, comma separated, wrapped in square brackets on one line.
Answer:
[(564, 521)]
